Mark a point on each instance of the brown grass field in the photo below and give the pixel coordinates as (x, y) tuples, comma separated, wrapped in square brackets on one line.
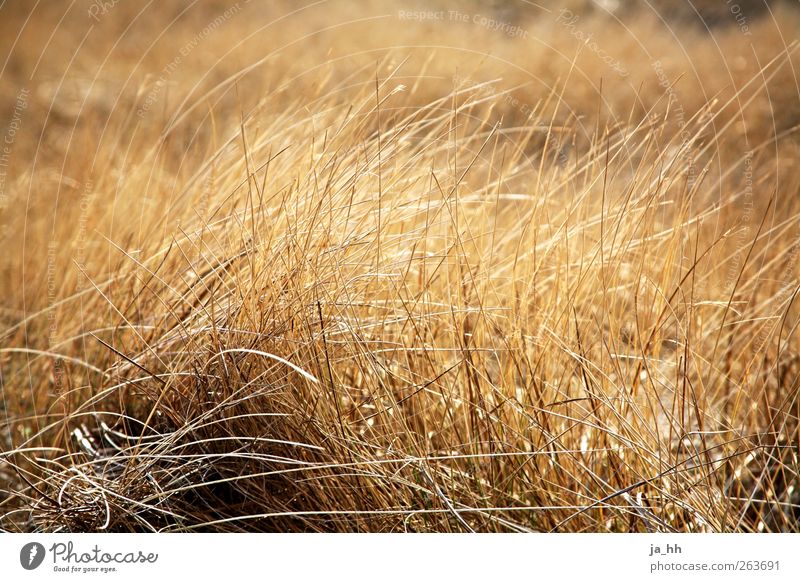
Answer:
[(395, 266)]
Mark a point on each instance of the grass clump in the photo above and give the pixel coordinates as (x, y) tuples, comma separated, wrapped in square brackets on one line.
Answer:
[(402, 305)]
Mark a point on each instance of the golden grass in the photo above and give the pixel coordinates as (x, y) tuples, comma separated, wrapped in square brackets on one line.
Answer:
[(327, 277)]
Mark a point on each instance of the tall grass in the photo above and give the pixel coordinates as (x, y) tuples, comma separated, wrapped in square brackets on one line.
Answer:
[(366, 300)]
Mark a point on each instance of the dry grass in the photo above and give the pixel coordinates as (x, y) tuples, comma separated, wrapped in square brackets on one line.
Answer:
[(329, 278)]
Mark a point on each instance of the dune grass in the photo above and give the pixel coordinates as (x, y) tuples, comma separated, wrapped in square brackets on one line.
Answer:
[(302, 288)]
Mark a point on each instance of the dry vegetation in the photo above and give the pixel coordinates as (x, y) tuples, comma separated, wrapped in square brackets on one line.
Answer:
[(341, 270)]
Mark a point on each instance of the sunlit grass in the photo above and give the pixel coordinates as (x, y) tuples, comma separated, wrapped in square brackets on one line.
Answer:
[(391, 306)]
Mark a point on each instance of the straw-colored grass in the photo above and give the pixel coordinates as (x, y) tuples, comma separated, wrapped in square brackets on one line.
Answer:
[(328, 278)]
